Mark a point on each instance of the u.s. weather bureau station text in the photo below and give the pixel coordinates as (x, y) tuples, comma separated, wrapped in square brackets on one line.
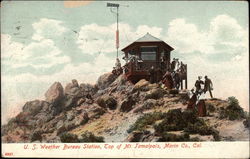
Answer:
[(108, 146)]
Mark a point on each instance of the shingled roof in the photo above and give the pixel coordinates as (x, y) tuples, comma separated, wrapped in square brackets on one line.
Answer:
[(148, 37)]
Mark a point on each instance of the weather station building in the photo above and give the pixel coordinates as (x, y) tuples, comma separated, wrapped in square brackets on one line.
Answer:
[(144, 53)]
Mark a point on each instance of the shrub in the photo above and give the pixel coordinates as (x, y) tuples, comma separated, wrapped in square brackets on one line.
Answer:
[(90, 137), (68, 138), (210, 107), (176, 120), (173, 137), (233, 111), (147, 119), (37, 135)]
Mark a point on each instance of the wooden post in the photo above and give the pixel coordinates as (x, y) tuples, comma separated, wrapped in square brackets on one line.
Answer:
[(186, 78), (181, 84)]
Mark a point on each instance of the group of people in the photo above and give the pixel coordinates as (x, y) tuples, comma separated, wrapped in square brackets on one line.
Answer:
[(171, 79), (117, 70), (208, 86)]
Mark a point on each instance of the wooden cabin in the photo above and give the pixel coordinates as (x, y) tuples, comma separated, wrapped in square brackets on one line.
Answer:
[(144, 53)]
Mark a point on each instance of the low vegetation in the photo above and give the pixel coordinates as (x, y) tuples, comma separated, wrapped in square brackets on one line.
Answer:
[(147, 119), (233, 111), (175, 120), (68, 138), (85, 137), (90, 137)]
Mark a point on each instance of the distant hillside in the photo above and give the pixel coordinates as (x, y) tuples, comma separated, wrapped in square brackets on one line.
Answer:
[(114, 110)]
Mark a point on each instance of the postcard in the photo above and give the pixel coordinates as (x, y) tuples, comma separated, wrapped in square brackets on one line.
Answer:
[(127, 79)]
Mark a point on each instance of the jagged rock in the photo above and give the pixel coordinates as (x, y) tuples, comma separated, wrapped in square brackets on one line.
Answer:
[(148, 104), (127, 104), (72, 121), (60, 127), (107, 102), (55, 93), (80, 101), (135, 136), (23, 117), (155, 93), (70, 115), (75, 83), (105, 80), (33, 107), (69, 102), (81, 119), (36, 136), (119, 81), (42, 118), (73, 90), (95, 111), (141, 85)]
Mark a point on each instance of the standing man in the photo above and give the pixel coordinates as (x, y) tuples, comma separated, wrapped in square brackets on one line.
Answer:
[(152, 74), (208, 86), (198, 84)]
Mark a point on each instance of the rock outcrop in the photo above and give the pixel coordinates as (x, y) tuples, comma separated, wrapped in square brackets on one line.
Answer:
[(55, 93), (118, 110)]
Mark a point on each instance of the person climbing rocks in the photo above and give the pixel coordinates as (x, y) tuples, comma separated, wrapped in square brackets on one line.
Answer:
[(208, 86)]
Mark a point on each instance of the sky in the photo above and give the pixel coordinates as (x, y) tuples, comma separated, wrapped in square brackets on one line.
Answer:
[(47, 41)]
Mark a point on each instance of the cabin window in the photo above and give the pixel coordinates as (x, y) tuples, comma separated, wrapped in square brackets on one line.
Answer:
[(148, 52)]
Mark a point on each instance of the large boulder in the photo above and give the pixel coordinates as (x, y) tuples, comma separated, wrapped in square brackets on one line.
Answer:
[(73, 89), (155, 93), (127, 104), (69, 102), (94, 111), (107, 102), (120, 80), (55, 93), (33, 107), (105, 80), (148, 104), (141, 85)]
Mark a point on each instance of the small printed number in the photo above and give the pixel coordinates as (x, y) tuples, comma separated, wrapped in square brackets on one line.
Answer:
[(8, 154)]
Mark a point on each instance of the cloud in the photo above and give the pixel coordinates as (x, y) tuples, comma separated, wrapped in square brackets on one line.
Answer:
[(95, 38), (9, 47), (224, 36), (225, 28), (47, 29), (185, 37), (38, 56)]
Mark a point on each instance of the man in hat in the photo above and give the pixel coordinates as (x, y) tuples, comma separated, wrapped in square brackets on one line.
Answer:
[(208, 86)]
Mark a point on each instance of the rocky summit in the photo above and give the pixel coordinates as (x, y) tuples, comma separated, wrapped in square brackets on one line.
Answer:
[(115, 110)]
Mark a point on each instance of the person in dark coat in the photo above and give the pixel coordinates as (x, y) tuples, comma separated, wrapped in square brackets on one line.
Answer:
[(198, 84), (208, 86), (152, 74), (177, 80)]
